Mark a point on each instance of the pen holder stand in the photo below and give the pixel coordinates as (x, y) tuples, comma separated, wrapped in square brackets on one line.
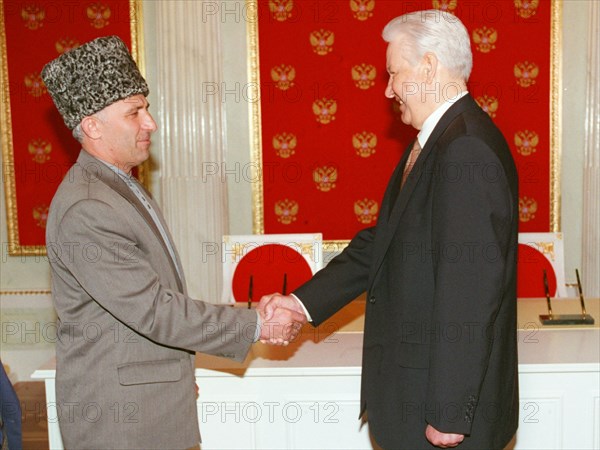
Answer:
[(566, 319)]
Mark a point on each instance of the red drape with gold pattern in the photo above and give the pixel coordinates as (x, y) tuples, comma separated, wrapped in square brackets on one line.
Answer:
[(38, 149), (330, 138)]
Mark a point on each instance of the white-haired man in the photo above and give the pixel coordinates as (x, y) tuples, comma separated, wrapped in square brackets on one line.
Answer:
[(439, 268)]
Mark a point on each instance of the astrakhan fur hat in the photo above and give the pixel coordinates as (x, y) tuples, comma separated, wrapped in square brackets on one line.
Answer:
[(89, 78)]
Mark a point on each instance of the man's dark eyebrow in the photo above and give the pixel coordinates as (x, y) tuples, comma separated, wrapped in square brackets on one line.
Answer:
[(138, 106)]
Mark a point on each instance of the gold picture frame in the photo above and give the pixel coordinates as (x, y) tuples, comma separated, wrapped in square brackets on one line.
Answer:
[(14, 246), (338, 245)]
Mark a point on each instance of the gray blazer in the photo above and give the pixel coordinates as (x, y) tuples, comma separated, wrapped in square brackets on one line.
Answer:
[(127, 331)]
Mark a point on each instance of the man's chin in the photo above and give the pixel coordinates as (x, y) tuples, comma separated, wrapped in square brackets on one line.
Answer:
[(142, 155), (144, 149), (406, 120)]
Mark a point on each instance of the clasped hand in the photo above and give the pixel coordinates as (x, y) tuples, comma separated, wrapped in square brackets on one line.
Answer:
[(282, 318)]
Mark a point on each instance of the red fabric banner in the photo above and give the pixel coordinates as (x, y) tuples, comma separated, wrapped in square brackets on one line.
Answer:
[(331, 139), (38, 149)]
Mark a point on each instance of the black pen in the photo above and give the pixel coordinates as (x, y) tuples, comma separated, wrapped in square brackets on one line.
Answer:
[(547, 290), (283, 291), (583, 311), (250, 294)]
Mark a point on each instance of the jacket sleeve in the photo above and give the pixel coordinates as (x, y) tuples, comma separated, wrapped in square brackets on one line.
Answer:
[(341, 281), (471, 232), (99, 247)]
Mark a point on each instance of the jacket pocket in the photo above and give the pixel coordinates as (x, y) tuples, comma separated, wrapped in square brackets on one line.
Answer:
[(144, 372), (414, 356)]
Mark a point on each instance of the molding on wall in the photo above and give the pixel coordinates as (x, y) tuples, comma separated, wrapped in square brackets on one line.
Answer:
[(25, 292), (191, 139), (591, 165)]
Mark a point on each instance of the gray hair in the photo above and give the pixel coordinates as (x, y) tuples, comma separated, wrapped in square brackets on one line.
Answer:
[(438, 32), (78, 132)]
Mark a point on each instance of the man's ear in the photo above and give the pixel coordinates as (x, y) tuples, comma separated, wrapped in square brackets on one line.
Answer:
[(91, 127), (430, 66)]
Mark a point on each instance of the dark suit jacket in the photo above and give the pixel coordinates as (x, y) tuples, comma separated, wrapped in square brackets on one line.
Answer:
[(127, 330), (439, 268)]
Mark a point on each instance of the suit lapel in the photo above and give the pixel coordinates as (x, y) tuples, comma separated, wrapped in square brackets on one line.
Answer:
[(387, 207), (397, 205), (166, 228), (95, 169)]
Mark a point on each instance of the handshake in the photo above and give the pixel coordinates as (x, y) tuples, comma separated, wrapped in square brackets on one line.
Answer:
[(282, 317)]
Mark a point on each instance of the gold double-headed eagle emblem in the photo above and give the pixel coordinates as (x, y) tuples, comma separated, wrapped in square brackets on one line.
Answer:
[(281, 9), (445, 5), (325, 178), (40, 215), (489, 104), (98, 15), (322, 41), (527, 209), (364, 75), (283, 75), (286, 211), (485, 39), (526, 72), (40, 150), (362, 9), (366, 210), (33, 16), (34, 84), (526, 142), (526, 8), (284, 144), (65, 44), (364, 143), (324, 110)]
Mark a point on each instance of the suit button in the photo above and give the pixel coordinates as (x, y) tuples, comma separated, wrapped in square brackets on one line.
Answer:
[(372, 299)]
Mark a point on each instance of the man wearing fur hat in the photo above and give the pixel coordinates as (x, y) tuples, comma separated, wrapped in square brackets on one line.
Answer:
[(127, 329)]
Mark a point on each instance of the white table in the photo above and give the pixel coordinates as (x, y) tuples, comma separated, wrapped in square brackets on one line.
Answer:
[(306, 395)]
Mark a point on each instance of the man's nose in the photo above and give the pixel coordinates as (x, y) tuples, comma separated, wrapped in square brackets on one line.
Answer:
[(389, 92), (149, 123)]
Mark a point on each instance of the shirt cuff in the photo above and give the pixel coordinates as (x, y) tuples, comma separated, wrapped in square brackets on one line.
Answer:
[(258, 327), (303, 308)]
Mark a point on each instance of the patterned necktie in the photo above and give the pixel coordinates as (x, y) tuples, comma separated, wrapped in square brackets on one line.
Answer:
[(412, 158)]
